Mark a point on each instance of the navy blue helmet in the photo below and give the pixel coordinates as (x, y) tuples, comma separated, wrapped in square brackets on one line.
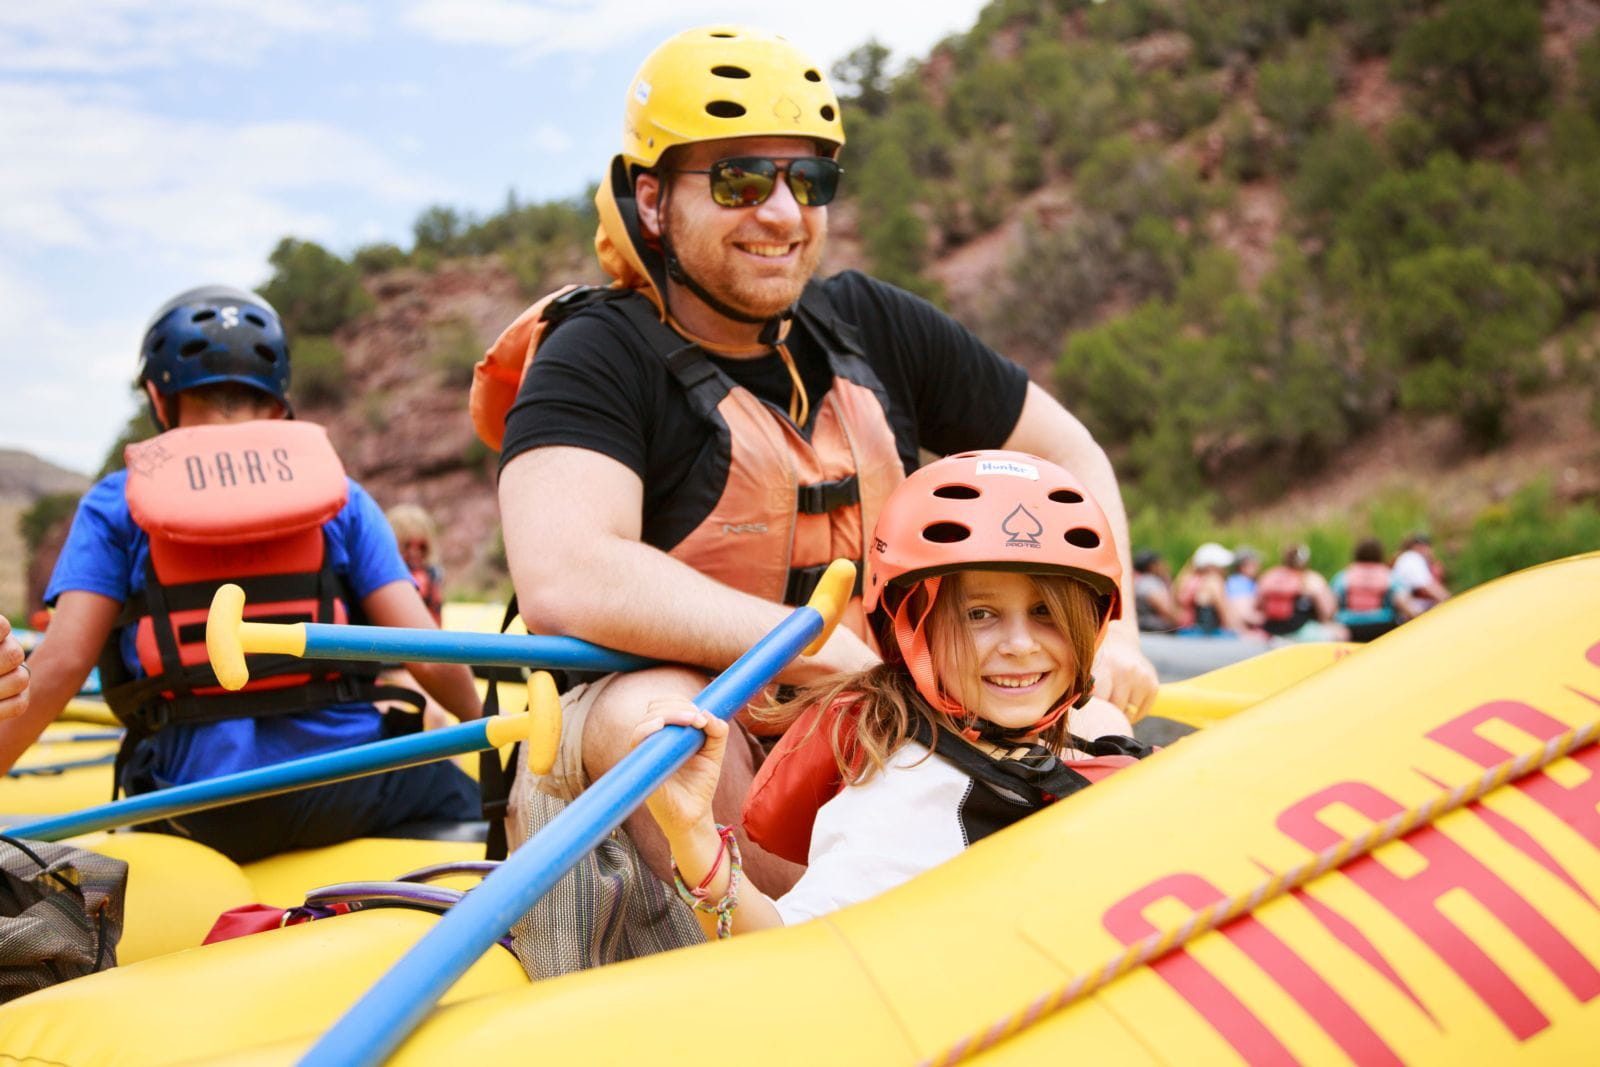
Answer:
[(216, 334)]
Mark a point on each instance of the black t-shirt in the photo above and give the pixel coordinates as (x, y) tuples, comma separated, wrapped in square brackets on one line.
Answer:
[(594, 384)]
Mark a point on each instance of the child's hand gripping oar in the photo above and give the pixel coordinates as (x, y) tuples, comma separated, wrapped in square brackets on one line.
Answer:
[(392, 1008)]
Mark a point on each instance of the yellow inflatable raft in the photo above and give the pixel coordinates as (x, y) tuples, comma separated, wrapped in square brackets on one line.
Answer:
[(1230, 900)]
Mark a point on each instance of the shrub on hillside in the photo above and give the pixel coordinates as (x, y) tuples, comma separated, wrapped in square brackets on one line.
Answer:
[(378, 258), (1475, 68), (314, 290), (316, 372), (1530, 528), (1460, 331), (454, 347), (44, 515), (1298, 91), (1335, 169)]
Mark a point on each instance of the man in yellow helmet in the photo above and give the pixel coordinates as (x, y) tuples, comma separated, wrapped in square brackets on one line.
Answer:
[(692, 446)]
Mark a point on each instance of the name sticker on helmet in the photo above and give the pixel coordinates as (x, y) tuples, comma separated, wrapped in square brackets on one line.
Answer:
[(1008, 467), (641, 91)]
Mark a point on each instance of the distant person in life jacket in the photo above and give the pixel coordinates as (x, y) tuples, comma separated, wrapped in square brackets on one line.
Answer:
[(1202, 595), (1295, 601), (1420, 573), (232, 490), (1372, 601), (1152, 590), (418, 539), (14, 673)]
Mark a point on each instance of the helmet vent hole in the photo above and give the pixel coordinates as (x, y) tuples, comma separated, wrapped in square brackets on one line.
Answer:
[(722, 33), (813, 76), (192, 348), (946, 533), (257, 320), (724, 109), (161, 342), (730, 72), (957, 492), (827, 112), (204, 316), (1066, 496), (1081, 537), (266, 353)]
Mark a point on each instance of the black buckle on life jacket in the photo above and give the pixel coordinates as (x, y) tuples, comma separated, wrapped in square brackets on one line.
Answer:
[(803, 582), (823, 497)]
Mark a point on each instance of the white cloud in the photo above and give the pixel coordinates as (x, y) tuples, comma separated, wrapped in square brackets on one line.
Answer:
[(86, 169), (105, 36), (550, 139), (69, 416), (827, 29)]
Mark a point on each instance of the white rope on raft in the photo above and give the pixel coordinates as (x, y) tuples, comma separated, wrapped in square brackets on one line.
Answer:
[(1214, 915)]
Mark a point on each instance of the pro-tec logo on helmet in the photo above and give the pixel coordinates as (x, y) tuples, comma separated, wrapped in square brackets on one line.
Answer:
[(1010, 467), (1022, 528)]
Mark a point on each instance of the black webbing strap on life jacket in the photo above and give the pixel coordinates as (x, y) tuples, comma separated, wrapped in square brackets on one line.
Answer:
[(494, 777), (706, 387), (144, 705), (1031, 779)]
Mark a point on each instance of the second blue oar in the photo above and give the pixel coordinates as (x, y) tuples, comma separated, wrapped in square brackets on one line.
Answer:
[(539, 726), (229, 637), (377, 1024)]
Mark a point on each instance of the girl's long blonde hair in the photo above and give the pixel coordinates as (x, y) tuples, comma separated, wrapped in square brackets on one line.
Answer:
[(882, 699)]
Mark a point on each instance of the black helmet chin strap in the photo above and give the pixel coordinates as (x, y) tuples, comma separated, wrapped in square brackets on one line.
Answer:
[(676, 272)]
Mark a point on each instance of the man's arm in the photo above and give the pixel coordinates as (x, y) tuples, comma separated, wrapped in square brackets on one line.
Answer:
[(399, 604), (78, 632), (1123, 675), (572, 531)]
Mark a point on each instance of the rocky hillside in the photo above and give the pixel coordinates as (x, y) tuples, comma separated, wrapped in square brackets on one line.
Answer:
[(24, 479)]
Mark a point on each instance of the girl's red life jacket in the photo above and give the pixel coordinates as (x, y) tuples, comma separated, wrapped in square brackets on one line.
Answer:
[(244, 503), (1366, 587), (801, 774)]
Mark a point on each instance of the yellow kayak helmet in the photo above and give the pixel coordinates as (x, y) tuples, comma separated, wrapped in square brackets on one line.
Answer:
[(726, 81)]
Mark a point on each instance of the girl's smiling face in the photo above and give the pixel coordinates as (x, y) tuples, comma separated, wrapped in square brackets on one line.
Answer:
[(1022, 662)]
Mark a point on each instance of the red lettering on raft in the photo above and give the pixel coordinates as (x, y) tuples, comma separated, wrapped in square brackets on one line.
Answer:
[(1414, 901), (1237, 1024)]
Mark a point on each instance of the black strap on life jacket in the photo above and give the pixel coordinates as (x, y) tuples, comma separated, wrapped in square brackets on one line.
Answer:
[(1031, 779), (143, 704), (494, 777), (706, 387)]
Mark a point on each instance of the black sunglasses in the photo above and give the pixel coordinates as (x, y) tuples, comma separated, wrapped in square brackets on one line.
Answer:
[(745, 181)]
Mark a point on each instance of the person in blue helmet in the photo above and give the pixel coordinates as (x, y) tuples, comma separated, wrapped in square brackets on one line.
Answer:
[(234, 490)]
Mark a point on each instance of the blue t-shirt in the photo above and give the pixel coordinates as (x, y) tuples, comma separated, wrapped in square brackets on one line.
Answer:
[(106, 553)]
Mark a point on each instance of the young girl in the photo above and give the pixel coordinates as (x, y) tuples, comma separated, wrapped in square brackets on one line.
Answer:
[(990, 583)]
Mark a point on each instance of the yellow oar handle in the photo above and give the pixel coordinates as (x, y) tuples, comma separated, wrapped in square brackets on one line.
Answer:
[(833, 592), (229, 637), (544, 722), (539, 727)]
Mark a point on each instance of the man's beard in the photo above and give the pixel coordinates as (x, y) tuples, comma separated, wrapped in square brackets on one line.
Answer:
[(712, 265)]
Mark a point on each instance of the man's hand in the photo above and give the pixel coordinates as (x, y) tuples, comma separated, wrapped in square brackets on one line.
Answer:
[(1123, 674), (14, 674)]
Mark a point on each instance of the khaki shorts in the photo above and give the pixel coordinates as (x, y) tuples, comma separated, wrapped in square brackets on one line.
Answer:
[(567, 778)]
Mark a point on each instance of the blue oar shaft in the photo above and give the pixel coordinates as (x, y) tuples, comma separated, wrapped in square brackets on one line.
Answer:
[(321, 769), (389, 644), (382, 1019)]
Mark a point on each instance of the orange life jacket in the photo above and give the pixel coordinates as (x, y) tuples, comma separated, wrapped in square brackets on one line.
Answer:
[(245, 503), (801, 774), (789, 506), (1366, 587)]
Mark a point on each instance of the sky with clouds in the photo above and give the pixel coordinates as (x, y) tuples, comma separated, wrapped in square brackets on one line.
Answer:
[(151, 145)]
